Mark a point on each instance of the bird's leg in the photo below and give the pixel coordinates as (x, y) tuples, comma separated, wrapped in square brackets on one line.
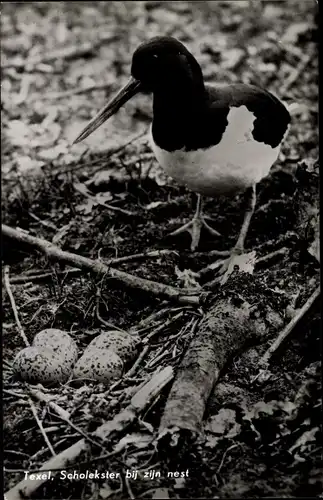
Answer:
[(237, 258), (195, 225), (238, 249)]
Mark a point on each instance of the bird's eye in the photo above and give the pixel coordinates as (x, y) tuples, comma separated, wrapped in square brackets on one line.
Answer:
[(155, 56)]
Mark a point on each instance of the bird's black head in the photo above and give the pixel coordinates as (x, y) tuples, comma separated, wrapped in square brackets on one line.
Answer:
[(162, 63)]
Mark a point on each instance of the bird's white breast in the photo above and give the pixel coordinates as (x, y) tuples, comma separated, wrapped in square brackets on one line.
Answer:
[(233, 165)]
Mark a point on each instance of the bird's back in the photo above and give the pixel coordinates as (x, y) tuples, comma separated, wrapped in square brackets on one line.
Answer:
[(230, 145), (271, 116)]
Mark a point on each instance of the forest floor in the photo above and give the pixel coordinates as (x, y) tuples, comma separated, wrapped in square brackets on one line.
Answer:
[(107, 197)]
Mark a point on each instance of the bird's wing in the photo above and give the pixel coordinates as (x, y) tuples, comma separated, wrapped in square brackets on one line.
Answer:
[(271, 115)]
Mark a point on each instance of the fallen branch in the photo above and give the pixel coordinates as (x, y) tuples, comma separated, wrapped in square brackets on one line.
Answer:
[(137, 256), (13, 305), (40, 396), (222, 333), (288, 330), (139, 402), (97, 267), (41, 428), (24, 278)]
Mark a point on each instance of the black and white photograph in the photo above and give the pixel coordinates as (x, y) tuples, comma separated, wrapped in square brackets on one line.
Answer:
[(161, 300)]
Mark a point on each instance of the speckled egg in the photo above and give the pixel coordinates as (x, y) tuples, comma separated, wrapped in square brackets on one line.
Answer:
[(40, 365), (123, 344), (102, 365), (58, 341)]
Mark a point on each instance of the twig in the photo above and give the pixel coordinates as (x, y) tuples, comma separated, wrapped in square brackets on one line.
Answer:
[(40, 276), (86, 436), (23, 94), (134, 367), (15, 394), (72, 92), (55, 253), (128, 488), (225, 454), (295, 74), (44, 223), (152, 318), (108, 154), (13, 305), (213, 253), (139, 402), (17, 280), (128, 258), (40, 396), (162, 327), (265, 258), (40, 425), (99, 317), (264, 361)]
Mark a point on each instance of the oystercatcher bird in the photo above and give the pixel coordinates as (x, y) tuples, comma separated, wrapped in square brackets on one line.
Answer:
[(216, 140)]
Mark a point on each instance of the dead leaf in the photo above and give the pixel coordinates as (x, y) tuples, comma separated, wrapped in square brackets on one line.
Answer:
[(25, 164), (245, 263), (137, 440), (60, 235), (53, 153), (305, 439), (105, 176), (187, 278), (87, 206), (223, 424), (153, 204), (160, 493), (294, 31), (232, 58), (106, 491), (314, 248)]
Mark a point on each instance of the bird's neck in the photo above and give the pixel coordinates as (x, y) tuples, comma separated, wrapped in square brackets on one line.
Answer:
[(177, 109)]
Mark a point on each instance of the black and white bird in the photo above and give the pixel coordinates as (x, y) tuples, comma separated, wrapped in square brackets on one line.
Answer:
[(215, 140)]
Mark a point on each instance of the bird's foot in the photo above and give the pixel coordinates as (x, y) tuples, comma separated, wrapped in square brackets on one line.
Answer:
[(237, 260), (194, 227)]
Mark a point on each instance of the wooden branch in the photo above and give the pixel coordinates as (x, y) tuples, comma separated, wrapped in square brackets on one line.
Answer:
[(41, 428), (55, 253), (40, 396), (14, 307), (222, 334), (139, 402), (288, 330)]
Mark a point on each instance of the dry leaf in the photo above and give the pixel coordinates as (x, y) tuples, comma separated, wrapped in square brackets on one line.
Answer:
[(187, 278), (245, 263), (160, 494)]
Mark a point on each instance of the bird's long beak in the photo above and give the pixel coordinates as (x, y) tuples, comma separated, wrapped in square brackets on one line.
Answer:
[(129, 90)]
